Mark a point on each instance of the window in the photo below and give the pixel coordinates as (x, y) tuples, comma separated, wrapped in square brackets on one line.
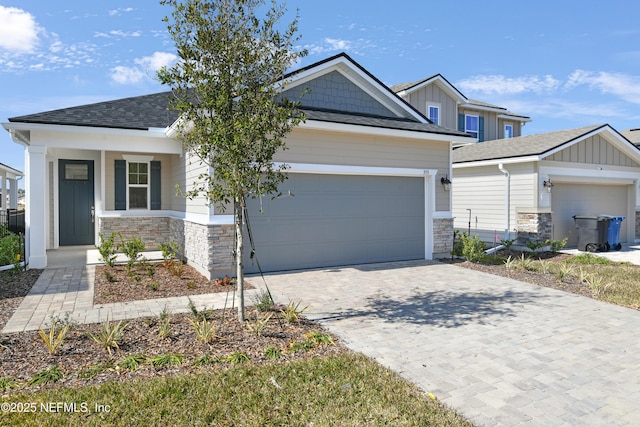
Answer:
[(138, 185), (76, 172), (508, 131), (471, 125), (433, 112)]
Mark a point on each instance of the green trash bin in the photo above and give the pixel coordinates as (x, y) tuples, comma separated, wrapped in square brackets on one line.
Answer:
[(592, 232)]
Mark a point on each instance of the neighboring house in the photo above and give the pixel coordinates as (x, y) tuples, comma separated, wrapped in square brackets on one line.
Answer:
[(9, 178), (632, 135), (364, 183), (534, 184), (446, 106)]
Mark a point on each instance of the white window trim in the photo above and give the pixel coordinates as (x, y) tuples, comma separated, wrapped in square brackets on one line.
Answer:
[(477, 130), (438, 107), (130, 158)]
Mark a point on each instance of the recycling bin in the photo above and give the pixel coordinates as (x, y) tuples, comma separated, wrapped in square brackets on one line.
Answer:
[(592, 232), (613, 233)]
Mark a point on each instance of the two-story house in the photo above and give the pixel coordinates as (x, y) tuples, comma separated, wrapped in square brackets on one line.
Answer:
[(446, 106)]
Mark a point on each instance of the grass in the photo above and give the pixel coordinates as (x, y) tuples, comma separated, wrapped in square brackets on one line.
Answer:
[(325, 391)]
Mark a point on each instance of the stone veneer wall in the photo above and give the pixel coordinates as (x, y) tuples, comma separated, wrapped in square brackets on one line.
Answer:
[(442, 235), (533, 226), (152, 230), (208, 248)]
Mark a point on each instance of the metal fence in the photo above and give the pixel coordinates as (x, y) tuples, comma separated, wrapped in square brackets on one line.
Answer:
[(12, 221)]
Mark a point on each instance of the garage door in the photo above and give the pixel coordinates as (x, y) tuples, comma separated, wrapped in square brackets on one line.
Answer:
[(331, 220), (575, 199)]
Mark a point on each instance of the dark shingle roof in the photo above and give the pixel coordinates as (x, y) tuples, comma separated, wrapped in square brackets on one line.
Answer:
[(140, 112), (531, 145), (377, 121)]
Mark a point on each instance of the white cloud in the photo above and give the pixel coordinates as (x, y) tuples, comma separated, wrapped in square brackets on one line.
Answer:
[(145, 67), (329, 44), (501, 85), (18, 30), (126, 75), (119, 11), (117, 33), (624, 86)]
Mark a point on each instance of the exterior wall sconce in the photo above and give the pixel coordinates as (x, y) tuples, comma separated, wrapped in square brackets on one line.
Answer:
[(548, 185), (446, 183)]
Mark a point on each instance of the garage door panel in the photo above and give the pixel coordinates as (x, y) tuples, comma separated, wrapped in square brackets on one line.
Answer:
[(338, 220), (576, 199)]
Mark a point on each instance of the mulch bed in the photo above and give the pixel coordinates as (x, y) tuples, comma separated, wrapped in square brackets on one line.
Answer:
[(154, 280)]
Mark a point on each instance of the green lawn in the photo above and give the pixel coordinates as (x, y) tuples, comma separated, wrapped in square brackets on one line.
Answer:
[(345, 390)]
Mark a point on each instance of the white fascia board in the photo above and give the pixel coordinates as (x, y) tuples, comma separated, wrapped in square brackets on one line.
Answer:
[(353, 170), (38, 127), (370, 130), (514, 117), (494, 162)]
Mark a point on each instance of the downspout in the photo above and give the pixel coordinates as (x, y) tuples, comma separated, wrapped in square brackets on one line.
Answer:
[(507, 201)]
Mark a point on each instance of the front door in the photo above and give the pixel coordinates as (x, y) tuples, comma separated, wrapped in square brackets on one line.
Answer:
[(76, 211)]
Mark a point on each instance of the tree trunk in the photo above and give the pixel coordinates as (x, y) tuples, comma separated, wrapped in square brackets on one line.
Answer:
[(238, 207)]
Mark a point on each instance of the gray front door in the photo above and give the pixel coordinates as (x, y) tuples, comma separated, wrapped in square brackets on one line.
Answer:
[(76, 210)]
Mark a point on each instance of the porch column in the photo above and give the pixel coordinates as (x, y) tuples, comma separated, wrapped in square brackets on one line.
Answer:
[(13, 193), (3, 191), (36, 206)]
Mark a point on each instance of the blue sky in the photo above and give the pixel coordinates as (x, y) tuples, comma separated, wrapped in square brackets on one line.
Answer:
[(563, 63)]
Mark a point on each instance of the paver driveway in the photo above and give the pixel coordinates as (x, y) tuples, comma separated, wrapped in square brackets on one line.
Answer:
[(499, 351)]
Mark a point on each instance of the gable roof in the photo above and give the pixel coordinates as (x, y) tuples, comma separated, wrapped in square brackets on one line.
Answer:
[(152, 111), (12, 172), (536, 146), (139, 112), (406, 88)]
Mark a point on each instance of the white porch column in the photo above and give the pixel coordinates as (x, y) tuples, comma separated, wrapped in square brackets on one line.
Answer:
[(13, 193), (36, 209), (3, 190)]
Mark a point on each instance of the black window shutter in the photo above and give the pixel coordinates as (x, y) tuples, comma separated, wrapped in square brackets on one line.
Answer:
[(121, 185), (156, 194), (481, 129), (461, 122)]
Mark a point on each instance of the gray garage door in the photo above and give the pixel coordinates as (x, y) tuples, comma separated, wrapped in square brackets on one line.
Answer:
[(575, 199), (336, 220)]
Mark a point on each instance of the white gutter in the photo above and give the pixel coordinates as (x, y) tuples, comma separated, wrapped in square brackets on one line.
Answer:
[(507, 201)]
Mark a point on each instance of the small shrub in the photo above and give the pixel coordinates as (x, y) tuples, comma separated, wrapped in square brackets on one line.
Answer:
[(597, 285), (292, 312), (224, 281), (169, 359), (472, 247), (511, 263), (589, 259), (535, 246), (204, 314), (258, 326), (191, 284), (564, 270), (205, 331), (164, 321), (9, 383), (10, 251), (132, 362), (50, 375), (176, 267), (132, 249), (318, 338), (109, 335), (545, 266), (272, 353), (205, 360), (92, 371), (557, 245), (107, 249), (302, 345), (50, 339), (262, 301), (169, 251), (237, 357), (153, 285), (111, 278), (507, 243)]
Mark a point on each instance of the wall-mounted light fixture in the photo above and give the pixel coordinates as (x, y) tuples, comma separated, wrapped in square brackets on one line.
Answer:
[(446, 183), (548, 185)]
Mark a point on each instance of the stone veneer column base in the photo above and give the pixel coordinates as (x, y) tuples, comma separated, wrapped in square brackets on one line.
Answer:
[(442, 236), (533, 226)]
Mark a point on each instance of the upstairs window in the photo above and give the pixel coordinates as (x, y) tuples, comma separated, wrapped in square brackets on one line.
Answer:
[(508, 131), (471, 125), (433, 112)]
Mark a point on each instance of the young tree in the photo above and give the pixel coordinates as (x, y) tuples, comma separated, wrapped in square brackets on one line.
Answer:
[(226, 86)]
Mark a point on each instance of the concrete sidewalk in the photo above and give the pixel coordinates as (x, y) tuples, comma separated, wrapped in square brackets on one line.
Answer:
[(501, 352)]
